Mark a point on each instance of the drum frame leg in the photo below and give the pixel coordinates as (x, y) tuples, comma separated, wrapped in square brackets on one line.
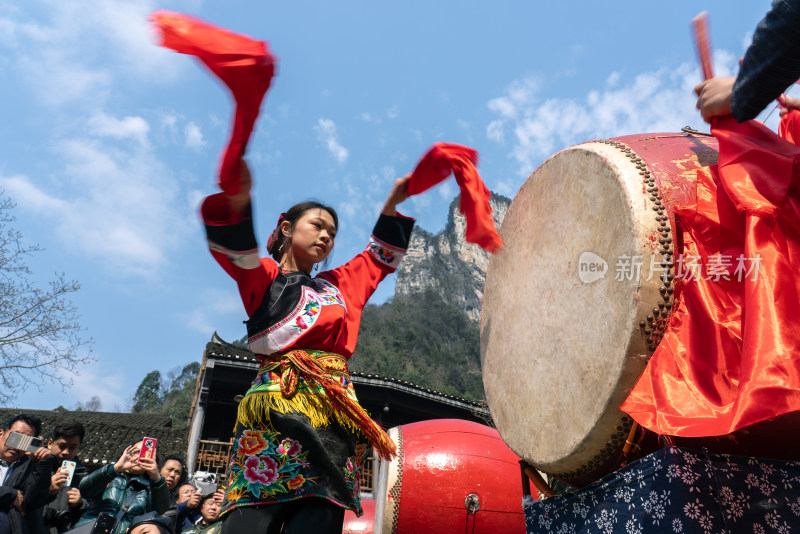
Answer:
[(529, 474)]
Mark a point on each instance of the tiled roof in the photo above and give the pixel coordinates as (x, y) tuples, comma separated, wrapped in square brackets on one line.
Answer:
[(108, 432), (222, 350)]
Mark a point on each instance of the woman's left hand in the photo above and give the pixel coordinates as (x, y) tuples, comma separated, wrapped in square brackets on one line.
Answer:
[(151, 468), (397, 195)]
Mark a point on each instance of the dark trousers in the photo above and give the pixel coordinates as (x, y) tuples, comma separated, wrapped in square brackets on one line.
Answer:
[(303, 516)]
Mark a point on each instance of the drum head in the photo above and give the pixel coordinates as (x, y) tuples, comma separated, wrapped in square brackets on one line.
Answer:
[(558, 348)]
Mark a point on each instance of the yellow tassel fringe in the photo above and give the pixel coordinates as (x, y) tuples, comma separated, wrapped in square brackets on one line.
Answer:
[(254, 409)]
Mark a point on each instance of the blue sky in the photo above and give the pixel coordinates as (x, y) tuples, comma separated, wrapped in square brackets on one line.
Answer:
[(110, 142)]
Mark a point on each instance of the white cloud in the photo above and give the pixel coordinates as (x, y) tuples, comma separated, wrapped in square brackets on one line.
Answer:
[(74, 50), (659, 100), (93, 380), (421, 202), (169, 121), (111, 201), (448, 190), (494, 131), (104, 125), (369, 117), (747, 40), (216, 307), (393, 112), (194, 136), (326, 133)]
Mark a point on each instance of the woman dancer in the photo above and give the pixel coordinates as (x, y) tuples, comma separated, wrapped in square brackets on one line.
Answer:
[(294, 463)]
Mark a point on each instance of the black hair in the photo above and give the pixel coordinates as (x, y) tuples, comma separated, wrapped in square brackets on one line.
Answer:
[(275, 248), (67, 429), (184, 474), (31, 420)]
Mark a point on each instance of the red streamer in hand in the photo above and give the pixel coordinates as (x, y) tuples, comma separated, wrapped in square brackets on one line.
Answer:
[(242, 63), (445, 158)]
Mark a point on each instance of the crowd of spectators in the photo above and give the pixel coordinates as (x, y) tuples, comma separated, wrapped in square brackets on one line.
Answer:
[(132, 495)]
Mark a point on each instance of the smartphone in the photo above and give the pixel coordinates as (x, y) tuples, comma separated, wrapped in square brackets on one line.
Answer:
[(68, 466), (148, 449), (21, 442)]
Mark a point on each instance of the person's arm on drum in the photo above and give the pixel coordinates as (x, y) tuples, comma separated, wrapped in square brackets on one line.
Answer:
[(232, 242), (770, 65)]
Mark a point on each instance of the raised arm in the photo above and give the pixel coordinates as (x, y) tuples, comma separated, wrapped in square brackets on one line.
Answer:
[(359, 277), (770, 65), (397, 195), (232, 241)]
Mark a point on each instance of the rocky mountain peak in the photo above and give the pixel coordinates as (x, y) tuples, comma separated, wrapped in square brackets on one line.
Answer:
[(446, 264)]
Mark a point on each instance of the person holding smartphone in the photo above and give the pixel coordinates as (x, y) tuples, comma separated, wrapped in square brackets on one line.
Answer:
[(24, 478), (67, 504), (133, 485)]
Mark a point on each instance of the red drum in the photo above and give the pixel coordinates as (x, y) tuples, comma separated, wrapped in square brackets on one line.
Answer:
[(580, 296), (449, 476), (363, 524)]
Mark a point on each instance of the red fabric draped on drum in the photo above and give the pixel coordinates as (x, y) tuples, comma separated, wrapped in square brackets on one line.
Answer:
[(436, 165), (731, 355)]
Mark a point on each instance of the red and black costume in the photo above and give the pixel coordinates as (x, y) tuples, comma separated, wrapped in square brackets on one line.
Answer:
[(296, 427)]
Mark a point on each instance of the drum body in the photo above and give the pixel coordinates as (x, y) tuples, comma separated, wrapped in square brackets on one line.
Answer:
[(578, 300), (449, 476)]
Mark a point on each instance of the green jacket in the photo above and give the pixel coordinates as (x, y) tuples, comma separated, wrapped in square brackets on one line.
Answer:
[(108, 491), (200, 528)]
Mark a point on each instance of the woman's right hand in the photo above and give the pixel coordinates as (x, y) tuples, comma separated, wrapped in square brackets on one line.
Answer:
[(241, 200), (127, 460)]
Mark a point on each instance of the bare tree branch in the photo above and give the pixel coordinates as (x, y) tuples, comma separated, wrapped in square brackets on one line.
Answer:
[(41, 337)]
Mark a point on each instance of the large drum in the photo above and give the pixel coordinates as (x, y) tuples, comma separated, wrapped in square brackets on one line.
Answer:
[(449, 476), (578, 300)]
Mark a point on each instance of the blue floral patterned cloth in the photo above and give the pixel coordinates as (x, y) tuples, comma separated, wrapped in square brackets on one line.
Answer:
[(676, 490)]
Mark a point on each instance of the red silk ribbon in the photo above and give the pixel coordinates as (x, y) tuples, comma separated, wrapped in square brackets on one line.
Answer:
[(242, 63), (436, 165)]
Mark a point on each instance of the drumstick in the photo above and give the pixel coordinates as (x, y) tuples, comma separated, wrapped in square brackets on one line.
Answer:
[(629, 443), (703, 43)]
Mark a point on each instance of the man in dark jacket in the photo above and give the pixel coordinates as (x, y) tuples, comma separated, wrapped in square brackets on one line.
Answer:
[(66, 505), (25, 479)]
